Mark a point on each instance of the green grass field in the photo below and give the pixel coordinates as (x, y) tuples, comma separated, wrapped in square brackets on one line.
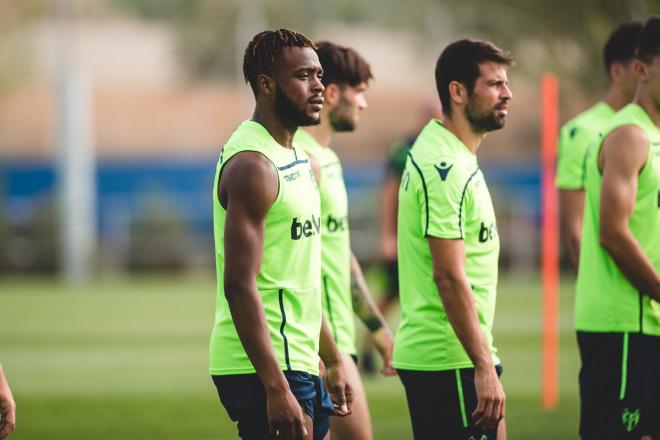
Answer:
[(127, 360)]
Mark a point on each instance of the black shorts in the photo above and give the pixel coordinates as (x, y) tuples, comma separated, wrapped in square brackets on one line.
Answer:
[(391, 278), (619, 385), (441, 404), (244, 398)]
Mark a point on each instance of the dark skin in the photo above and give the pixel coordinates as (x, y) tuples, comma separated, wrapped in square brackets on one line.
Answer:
[(247, 189)]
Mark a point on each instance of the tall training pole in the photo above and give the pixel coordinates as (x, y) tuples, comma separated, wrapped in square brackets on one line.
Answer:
[(549, 239), (76, 183)]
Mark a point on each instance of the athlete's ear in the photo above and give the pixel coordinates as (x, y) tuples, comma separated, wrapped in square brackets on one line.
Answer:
[(331, 94), (616, 70), (457, 92), (265, 85), (641, 70)]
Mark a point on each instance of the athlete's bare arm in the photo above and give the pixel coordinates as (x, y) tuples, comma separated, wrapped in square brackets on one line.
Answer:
[(247, 189), (367, 310), (7, 407), (389, 207), (340, 390), (623, 155), (449, 274), (571, 207)]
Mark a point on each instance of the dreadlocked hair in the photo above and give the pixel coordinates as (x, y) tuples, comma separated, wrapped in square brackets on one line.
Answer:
[(263, 51)]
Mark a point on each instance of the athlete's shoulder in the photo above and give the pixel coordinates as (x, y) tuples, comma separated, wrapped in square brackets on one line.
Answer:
[(248, 135), (251, 179), (588, 122), (627, 137), (439, 151)]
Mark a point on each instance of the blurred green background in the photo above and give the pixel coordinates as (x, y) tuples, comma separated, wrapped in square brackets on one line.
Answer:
[(127, 360)]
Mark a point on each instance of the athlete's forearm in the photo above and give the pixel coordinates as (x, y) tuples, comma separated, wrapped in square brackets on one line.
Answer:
[(629, 257), (246, 310), (328, 350), (461, 311), (363, 305), (389, 207), (571, 210)]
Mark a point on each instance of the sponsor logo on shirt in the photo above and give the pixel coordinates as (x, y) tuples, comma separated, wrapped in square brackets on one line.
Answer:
[(487, 232), (305, 228), (336, 224)]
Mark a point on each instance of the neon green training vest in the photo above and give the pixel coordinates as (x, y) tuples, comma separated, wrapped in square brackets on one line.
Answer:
[(289, 278), (574, 140), (605, 300), (335, 244)]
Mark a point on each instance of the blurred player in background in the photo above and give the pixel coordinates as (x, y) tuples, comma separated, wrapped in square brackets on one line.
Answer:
[(448, 249), (617, 309), (268, 331), (579, 132), (396, 163), (346, 76)]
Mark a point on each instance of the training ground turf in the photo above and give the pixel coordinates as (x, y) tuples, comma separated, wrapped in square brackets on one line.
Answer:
[(127, 360)]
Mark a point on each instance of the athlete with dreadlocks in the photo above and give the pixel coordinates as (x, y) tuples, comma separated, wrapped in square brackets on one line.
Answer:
[(269, 330)]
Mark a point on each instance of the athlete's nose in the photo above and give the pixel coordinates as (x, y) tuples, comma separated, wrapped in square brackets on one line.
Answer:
[(507, 95), (317, 85)]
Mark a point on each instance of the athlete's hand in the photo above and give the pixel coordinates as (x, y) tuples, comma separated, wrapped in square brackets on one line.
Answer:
[(285, 416), (384, 343), (490, 398), (341, 393), (7, 408)]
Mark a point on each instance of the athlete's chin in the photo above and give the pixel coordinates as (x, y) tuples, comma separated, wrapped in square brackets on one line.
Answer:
[(499, 121), (310, 120)]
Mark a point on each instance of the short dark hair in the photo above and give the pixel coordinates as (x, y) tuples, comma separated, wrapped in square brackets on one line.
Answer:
[(460, 62), (263, 51), (342, 65), (621, 44), (648, 44)]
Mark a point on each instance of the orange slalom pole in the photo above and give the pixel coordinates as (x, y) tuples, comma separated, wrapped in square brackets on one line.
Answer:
[(550, 239)]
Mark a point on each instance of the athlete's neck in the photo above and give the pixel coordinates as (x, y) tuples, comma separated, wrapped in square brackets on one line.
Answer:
[(282, 133), (323, 132), (651, 108), (462, 129), (616, 98)]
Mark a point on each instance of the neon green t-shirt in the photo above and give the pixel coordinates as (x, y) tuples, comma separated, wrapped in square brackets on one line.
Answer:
[(605, 300), (289, 278), (335, 244), (443, 194), (574, 140)]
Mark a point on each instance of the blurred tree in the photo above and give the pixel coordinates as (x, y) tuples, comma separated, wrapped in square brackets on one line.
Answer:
[(15, 49), (563, 36)]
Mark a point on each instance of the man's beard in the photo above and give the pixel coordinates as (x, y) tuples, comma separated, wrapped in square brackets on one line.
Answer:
[(340, 118), (482, 122), (290, 113)]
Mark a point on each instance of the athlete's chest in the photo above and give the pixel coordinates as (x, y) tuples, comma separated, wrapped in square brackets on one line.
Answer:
[(334, 198), (481, 225)]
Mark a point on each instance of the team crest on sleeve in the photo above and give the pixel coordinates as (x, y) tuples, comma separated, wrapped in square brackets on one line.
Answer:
[(443, 169)]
